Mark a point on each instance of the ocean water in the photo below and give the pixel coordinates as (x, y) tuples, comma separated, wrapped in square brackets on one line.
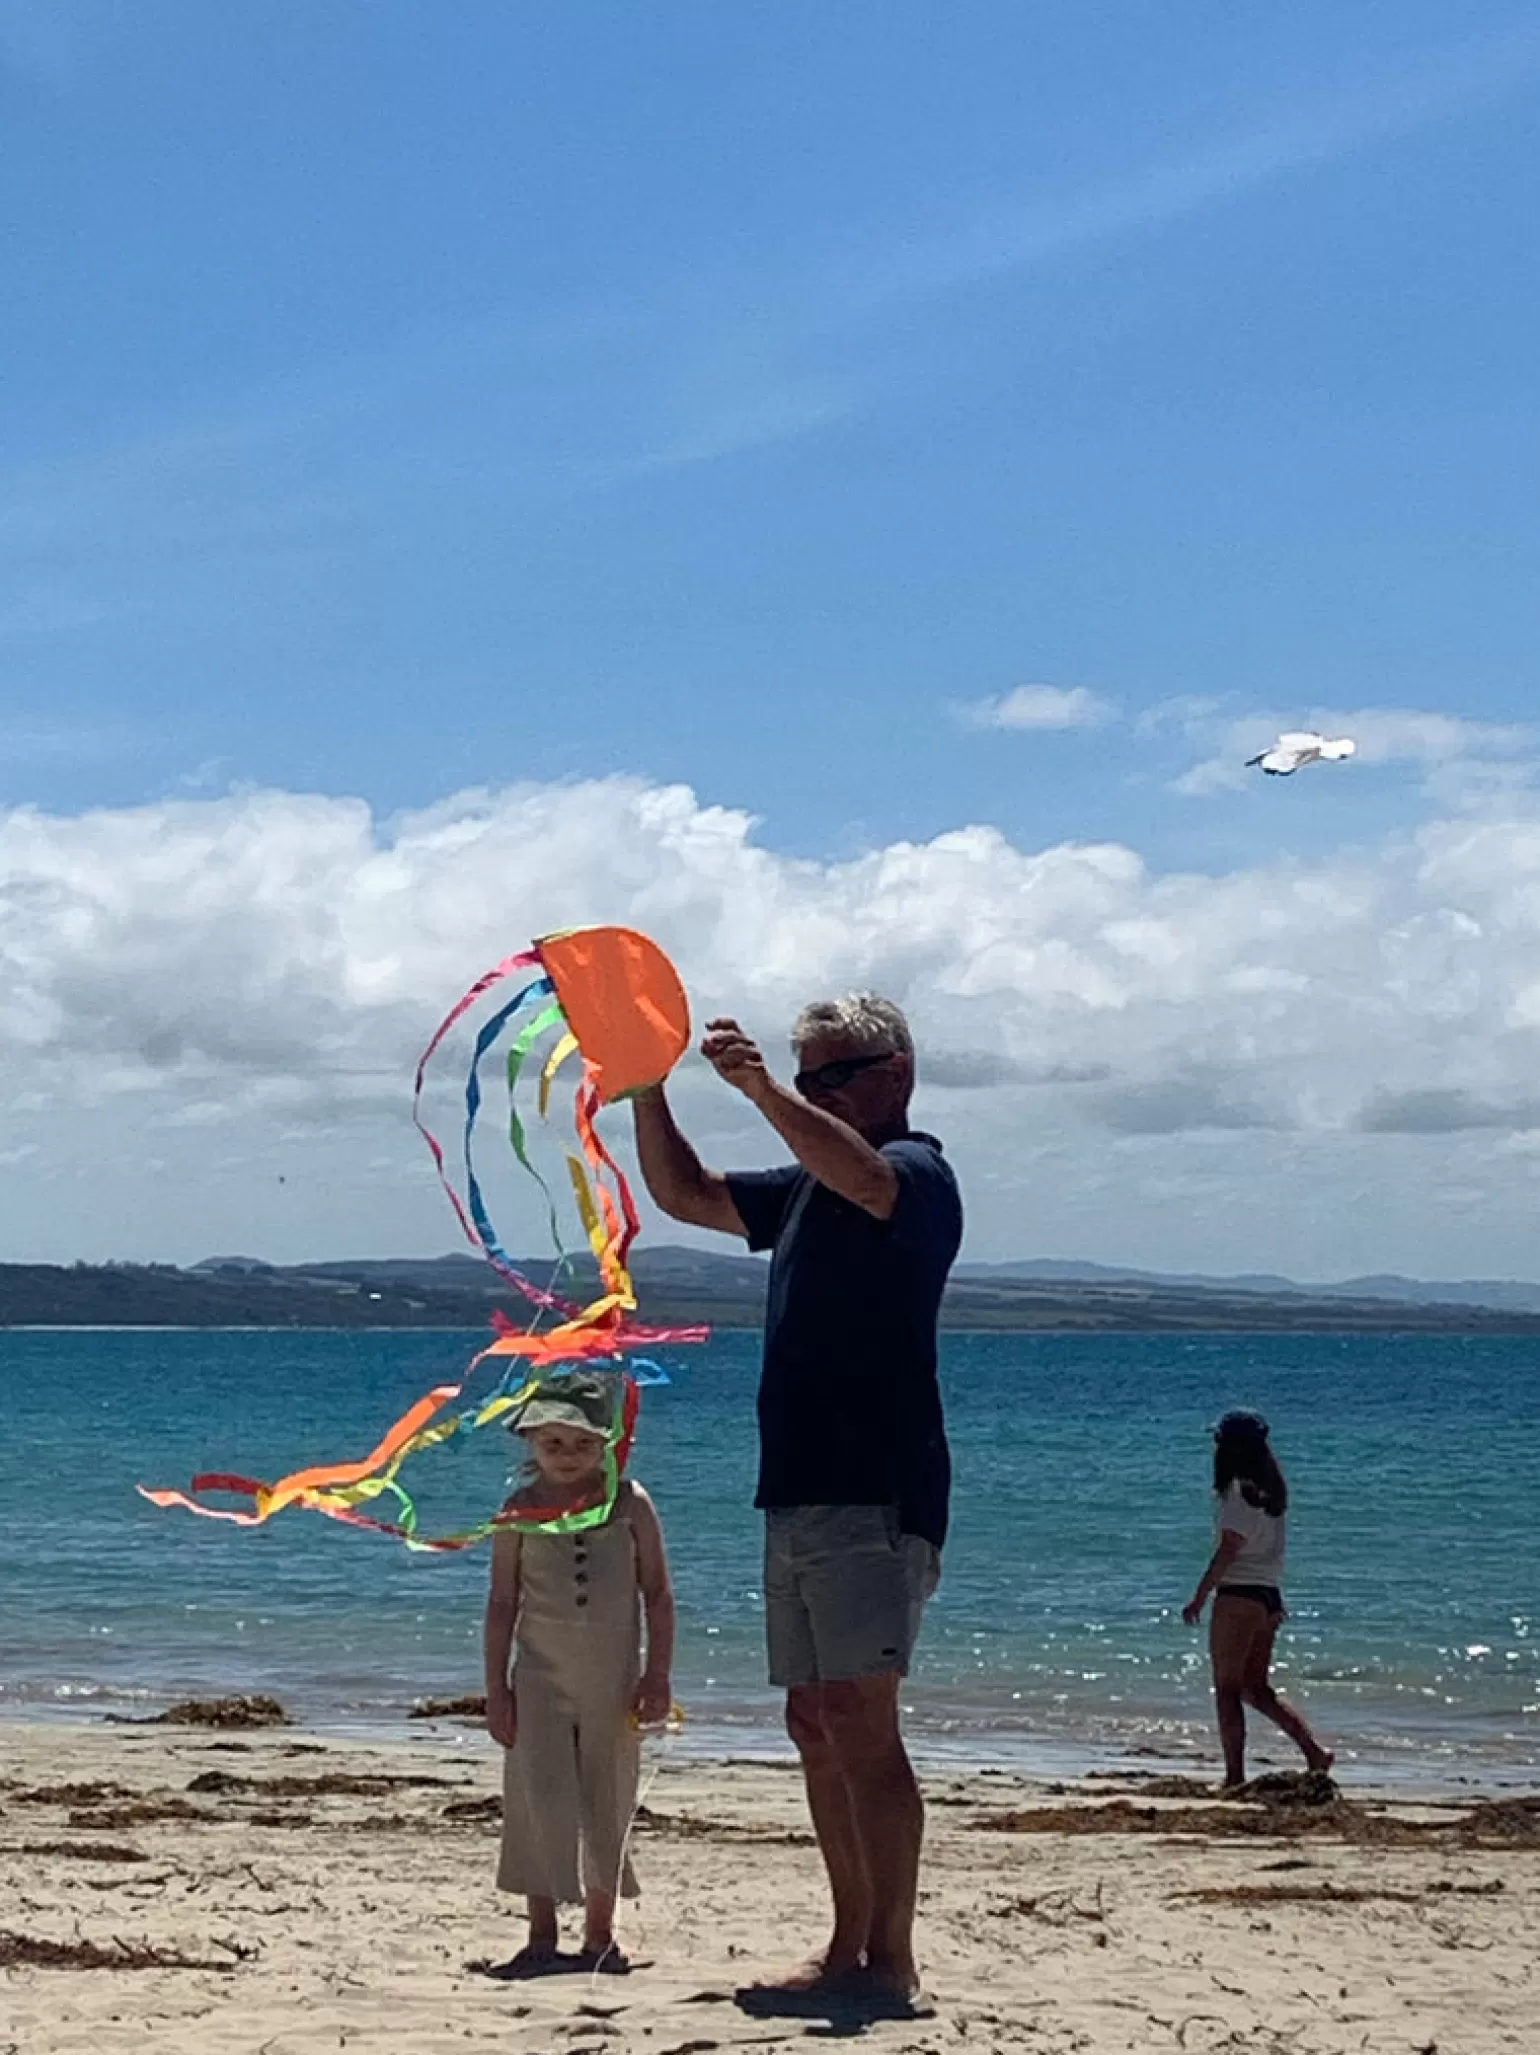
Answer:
[(1081, 1520)]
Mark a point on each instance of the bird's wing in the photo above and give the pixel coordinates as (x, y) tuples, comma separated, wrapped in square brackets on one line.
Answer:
[(1304, 743), (1280, 763)]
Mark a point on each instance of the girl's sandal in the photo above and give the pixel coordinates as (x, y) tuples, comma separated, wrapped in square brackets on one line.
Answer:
[(607, 1962), (535, 1962)]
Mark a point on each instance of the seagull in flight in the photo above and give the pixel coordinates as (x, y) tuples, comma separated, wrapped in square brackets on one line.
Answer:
[(1291, 752)]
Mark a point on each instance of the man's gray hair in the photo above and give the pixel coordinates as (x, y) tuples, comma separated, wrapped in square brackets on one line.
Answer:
[(870, 1021)]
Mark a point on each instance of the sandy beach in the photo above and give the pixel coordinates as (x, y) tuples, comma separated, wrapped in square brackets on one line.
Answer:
[(182, 1890)]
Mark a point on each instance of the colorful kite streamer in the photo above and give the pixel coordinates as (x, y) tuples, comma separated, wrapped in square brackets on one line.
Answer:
[(612, 997)]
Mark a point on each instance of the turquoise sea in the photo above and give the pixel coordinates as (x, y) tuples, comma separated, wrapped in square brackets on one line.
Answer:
[(1081, 1519)]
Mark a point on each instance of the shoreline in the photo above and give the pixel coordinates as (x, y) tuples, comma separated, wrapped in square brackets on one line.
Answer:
[(937, 1749), (284, 1891)]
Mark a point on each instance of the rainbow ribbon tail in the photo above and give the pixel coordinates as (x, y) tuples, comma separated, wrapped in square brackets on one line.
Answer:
[(601, 1333), (320, 1482)]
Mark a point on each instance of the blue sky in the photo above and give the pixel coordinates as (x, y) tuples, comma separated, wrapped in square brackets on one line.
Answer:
[(404, 399), (405, 396)]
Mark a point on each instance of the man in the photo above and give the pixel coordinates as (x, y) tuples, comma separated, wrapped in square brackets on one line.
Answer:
[(854, 1471)]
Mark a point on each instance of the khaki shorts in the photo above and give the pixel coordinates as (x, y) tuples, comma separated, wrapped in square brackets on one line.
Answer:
[(844, 1592)]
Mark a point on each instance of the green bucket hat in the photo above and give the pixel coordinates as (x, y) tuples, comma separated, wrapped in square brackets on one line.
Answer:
[(568, 1398)]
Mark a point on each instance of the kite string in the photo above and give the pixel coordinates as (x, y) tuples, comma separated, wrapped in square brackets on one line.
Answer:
[(637, 1807)]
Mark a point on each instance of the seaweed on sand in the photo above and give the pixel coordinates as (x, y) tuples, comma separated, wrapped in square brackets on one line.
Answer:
[(685, 1826), (472, 1706), (237, 1710), (72, 1794), (80, 1851), (490, 1808), (34, 1951), (140, 1812), (1283, 1809), (334, 1783), (1332, 1894)]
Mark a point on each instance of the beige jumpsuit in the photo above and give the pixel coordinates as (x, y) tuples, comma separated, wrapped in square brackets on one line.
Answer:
[(569, 1782)]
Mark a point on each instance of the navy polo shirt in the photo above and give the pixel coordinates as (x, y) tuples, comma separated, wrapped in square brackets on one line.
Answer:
[(849, 1406)]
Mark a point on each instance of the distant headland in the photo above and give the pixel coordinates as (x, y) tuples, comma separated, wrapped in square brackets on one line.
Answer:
[(690, 1285)]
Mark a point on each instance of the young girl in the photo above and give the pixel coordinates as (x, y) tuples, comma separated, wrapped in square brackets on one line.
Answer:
[(1245, 1574), (565, 1606)]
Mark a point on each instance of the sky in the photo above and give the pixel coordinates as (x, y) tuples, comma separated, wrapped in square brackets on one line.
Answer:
[(843, 489)]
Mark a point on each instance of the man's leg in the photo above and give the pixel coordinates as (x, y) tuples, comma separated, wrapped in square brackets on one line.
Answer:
[(829, 1802), (845, 1591), (794, 1666), (887, 1817)]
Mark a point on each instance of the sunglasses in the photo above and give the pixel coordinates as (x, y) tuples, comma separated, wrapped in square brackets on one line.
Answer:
[(830, 1077)]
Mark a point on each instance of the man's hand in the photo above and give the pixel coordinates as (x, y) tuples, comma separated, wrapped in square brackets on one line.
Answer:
[(654, 1699), (735, 1058), (502, 1717), (1192, 1612)]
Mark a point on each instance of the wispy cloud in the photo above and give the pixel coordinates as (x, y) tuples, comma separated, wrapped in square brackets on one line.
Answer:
[(1038, 706), (1013, 238), (192, 521), (28, 741)]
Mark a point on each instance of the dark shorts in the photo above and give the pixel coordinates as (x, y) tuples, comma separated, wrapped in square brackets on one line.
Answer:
[(1265, 1594), (845, 1591)]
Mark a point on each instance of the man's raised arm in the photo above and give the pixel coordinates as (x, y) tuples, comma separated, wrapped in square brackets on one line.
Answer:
[(827, 1147), (680, 1184)]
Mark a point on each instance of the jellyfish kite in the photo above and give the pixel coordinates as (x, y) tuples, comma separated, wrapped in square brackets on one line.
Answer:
[(611, 998)]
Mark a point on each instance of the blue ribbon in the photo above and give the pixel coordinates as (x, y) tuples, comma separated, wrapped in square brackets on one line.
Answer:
[(482, 1220)]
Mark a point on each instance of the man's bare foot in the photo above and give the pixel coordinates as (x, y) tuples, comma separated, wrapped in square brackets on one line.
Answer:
[(896, 1980), (887, 1994), (819, 1973), (1321, 1761)]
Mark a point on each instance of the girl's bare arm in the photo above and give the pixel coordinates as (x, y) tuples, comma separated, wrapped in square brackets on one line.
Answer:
[(1229, 1548), (497, 1638), (654, 1694)]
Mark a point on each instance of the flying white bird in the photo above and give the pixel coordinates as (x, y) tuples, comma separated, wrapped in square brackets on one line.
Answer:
[(1291, 752)]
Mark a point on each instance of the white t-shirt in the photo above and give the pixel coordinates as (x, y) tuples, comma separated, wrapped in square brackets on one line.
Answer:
[(1260, 1560)]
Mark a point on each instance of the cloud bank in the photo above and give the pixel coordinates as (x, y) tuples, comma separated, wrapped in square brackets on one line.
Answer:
[(209, 1011)]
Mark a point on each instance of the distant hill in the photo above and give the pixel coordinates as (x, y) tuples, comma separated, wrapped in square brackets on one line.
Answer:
[(1511, 1294), (680, 1285)]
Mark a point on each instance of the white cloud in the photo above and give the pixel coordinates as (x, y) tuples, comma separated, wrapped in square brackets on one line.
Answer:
[(1270, 1068), (1039, 706)]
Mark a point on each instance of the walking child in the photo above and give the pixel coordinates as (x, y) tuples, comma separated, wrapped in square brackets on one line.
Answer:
[(1245, 1574), (568, 1610)]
